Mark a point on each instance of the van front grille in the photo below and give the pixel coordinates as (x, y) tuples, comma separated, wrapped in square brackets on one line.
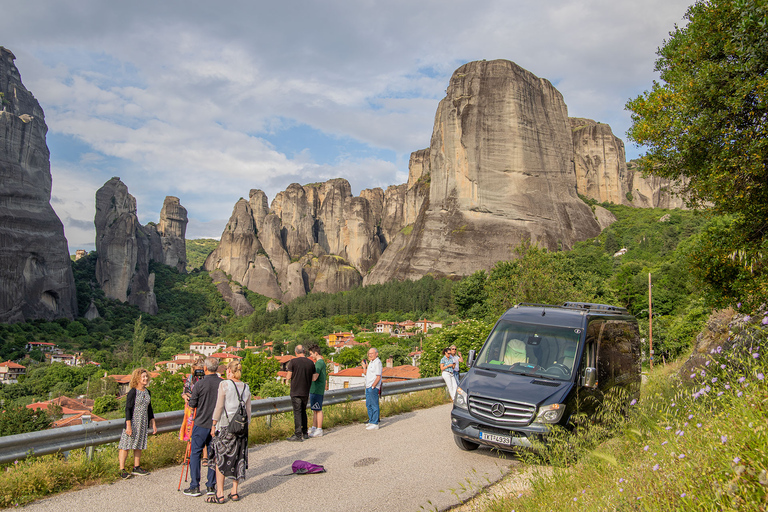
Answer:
[(501, 412)]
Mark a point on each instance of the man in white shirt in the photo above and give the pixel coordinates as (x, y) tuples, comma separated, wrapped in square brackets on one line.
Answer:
[(372, 388)]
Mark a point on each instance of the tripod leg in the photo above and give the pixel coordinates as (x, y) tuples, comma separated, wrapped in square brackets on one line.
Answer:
[(187, 453)]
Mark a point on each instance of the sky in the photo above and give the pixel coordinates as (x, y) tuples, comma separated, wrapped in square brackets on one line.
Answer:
[(207, 100)]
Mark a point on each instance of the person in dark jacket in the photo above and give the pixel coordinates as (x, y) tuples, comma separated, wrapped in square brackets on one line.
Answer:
[(203, 398), (301, 371), (138, 418)]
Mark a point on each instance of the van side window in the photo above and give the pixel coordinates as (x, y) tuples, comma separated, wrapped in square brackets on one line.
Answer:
[(619, 351), (592, 343)]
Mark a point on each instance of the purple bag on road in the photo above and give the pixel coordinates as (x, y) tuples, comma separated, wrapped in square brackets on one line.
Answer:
[(302, 467)]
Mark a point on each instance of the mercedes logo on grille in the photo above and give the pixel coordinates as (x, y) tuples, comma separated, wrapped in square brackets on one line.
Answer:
[(497, 410)]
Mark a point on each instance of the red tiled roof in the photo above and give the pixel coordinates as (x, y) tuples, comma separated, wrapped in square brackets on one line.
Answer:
[(41, 343), (404, 372), (77, 419), (284, 359), (11, 364), (349, 372), (219, 355)]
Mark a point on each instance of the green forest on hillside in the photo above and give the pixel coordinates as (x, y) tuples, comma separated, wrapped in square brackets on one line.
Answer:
[(191, 309)]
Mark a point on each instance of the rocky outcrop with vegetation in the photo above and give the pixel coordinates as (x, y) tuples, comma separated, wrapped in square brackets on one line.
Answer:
[(35, 271)]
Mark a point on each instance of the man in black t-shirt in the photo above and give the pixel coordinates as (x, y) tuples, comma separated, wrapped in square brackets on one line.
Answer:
[(300, 373)]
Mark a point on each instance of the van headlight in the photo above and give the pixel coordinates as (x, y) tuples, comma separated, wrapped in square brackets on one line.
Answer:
[(550, 413), (460, 400)]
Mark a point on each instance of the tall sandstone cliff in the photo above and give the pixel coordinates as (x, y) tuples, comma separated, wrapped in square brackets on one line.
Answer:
[(125, 247), (602, 173), (504, 164), (35, 269)]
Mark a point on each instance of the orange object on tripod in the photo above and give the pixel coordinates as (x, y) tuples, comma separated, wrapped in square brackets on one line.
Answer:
[(185, 433)]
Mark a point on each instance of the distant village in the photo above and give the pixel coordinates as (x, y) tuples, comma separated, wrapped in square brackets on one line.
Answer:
[(78, 411)]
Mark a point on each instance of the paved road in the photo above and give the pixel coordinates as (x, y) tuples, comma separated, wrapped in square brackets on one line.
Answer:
[(410, 464)]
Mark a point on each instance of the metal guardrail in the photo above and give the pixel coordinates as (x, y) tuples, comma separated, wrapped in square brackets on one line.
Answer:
[(56, 440)]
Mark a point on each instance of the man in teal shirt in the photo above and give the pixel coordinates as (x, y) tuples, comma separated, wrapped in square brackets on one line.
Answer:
[(317, 391)]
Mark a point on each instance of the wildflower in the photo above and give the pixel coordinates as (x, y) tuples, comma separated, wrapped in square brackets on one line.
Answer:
[(727, 386), (707, 363), (736, 460), (747, 318), (719, 349), (738, 305), (667, 428), (685, 424), (690, 416), (575, 499), (621, 489), (723, 439), (739, 394), (760, 376), (742, 379), (665, 442), (621, 480), (645, 448), (693, 375), (702, 373), (698, 425), (680, 432), (722, 366), (656, 467), (765, 320), (681, 456), (633, 402), (714, 379), (682, 495), (756, 355), (719, 393), (708, 389)]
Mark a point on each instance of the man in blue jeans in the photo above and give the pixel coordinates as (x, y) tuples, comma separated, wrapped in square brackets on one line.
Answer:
[(373, 371), (203, 398)]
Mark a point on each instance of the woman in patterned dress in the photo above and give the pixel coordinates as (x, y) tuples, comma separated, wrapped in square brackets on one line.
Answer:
[(230, 451), (138, 416)]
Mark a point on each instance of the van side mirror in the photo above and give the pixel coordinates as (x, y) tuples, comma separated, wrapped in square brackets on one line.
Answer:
[(590, 378), (471, 359)]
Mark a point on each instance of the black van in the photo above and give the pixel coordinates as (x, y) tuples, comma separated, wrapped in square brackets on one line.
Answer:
[(541, 364)]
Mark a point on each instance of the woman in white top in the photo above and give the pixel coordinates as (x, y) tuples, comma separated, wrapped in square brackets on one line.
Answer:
[(231, 451)]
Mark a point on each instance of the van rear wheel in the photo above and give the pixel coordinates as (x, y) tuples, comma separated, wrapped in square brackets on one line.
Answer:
[(465, 445)]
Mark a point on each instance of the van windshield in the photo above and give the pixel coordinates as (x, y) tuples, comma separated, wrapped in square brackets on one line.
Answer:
[(531, 349)]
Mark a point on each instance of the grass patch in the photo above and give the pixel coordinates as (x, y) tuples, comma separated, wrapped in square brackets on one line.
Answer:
[(37, 477), (693, 442)]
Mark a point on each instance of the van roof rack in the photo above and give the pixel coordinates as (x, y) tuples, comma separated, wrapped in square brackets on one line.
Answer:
[(603, 308)]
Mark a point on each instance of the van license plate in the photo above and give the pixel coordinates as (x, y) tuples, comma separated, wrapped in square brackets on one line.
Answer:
[(494, 438)]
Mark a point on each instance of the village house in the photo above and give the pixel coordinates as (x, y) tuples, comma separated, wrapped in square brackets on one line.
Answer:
[(384, 327), (43, 346), (207, 348), (353, 377), (74, 411), (10, 372), (68, 359)]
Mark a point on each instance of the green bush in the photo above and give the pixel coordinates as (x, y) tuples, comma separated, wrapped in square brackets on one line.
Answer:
[(104, 404)]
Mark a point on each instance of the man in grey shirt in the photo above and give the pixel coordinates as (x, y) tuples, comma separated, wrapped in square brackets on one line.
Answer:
[(203, 398)]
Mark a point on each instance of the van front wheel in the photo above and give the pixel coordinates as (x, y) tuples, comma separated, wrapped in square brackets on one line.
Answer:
[(465, 445)]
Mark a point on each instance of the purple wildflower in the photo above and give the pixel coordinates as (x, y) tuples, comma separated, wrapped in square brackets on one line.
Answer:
[(714, 379), (760, 376), (736, 460), (719, 393), (722, 366), (742, 379), (723, 439), (693, 375), (682, 495), (633, 402), (656, 467), (645, 448), (765, 320), (682, 456), (690, 416), (727, 386), (756, 355), (739, 394), (698, 425), (667, 428), (665, 442), (738, 305)]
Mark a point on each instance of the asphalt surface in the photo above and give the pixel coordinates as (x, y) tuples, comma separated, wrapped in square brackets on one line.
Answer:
[(411, 463)]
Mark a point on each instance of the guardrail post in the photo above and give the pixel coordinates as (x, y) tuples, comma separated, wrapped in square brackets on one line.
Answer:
[(268, 421), (86, 418)]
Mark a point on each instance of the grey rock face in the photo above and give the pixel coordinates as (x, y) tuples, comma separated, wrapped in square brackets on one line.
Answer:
[(125, 248), (232, 293), (35, 270), (172, 229), (602, 172), (500, 171)]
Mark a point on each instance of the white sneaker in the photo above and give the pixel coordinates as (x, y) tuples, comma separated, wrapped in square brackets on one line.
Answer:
[(372, 426), (311, 431), (318, 432)]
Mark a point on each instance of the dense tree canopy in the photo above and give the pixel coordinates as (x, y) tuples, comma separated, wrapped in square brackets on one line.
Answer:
[(706, 124)]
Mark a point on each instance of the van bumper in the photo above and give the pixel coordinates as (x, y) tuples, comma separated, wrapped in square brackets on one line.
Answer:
[(470, 428)]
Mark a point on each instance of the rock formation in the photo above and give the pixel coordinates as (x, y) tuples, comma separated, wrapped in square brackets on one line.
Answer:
[(500, 172), (602, 172), (504, 165), (232, 293), (125, 248), (35, 268)]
